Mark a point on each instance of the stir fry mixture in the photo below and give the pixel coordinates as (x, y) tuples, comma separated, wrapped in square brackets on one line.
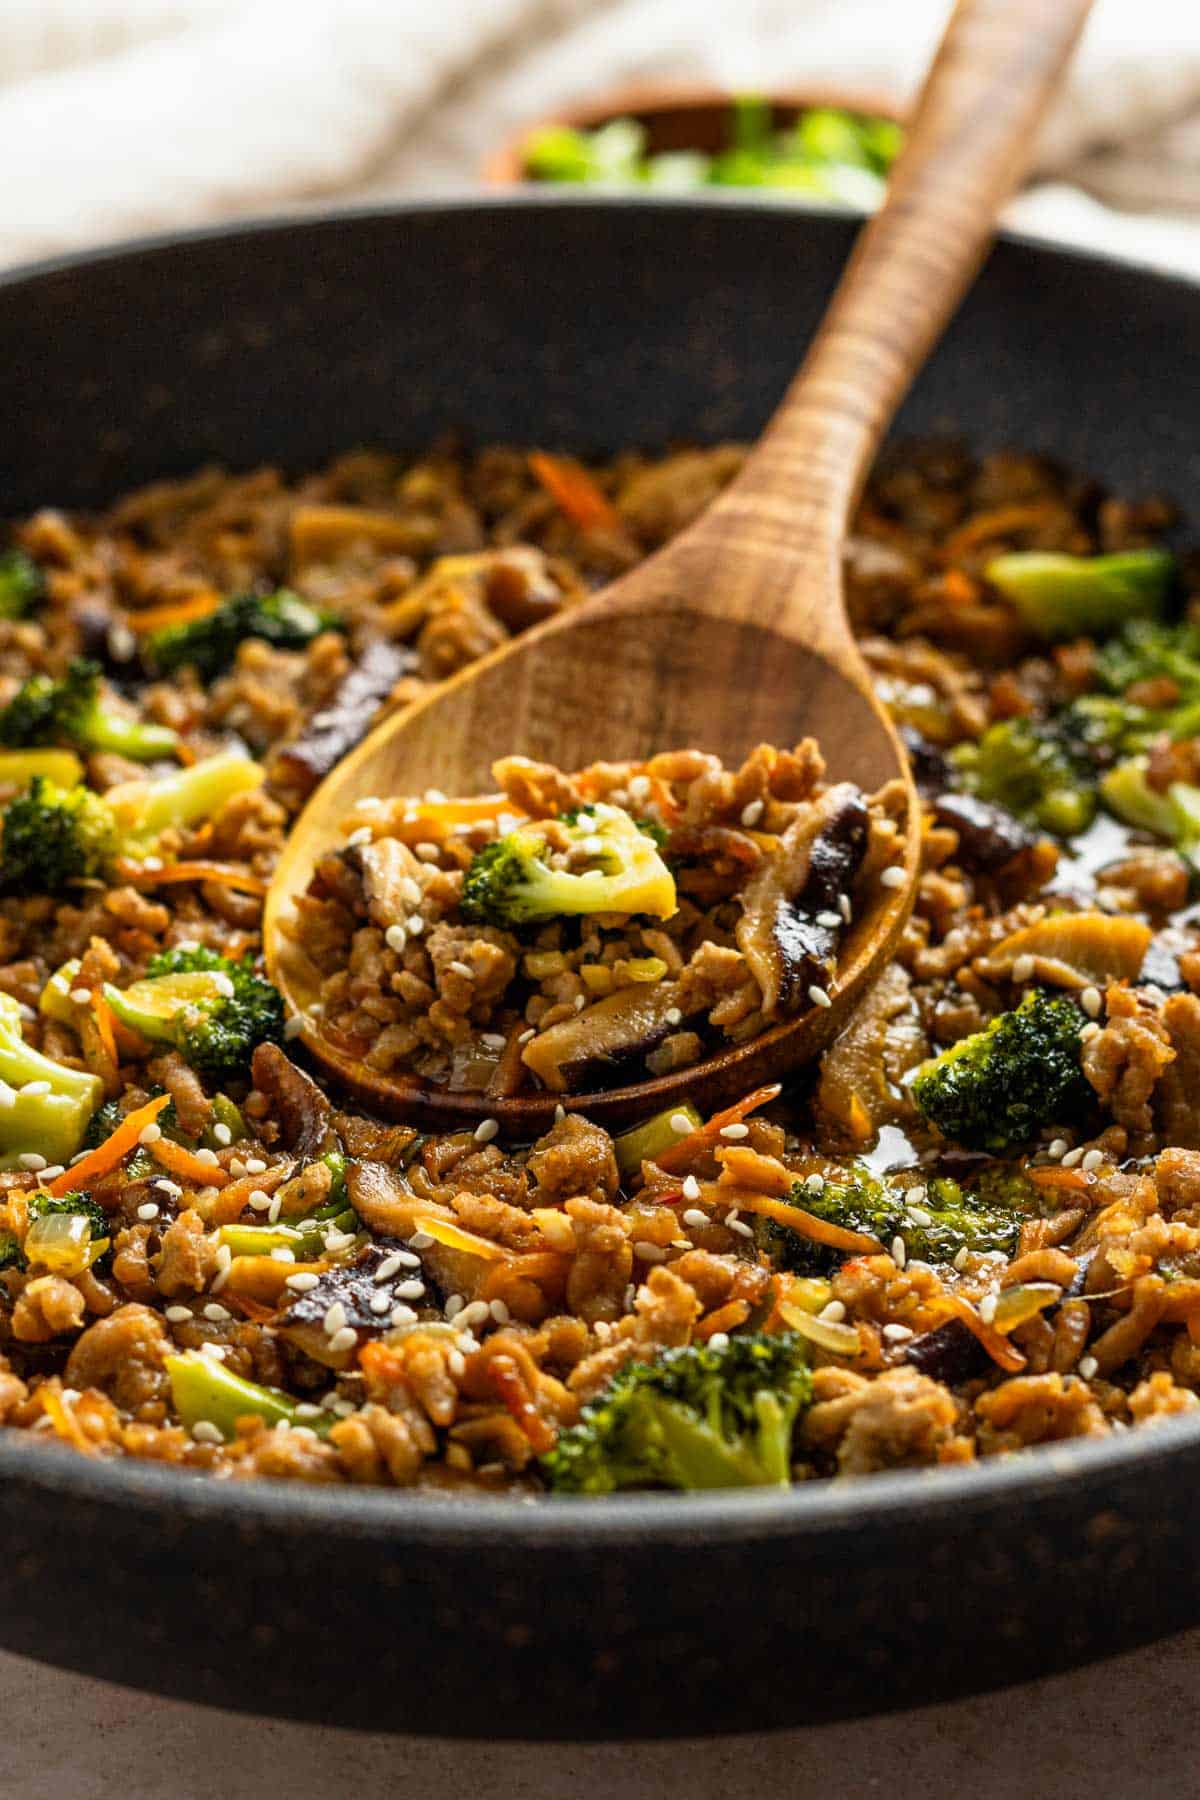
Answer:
[(576, 931), (973, 1228)]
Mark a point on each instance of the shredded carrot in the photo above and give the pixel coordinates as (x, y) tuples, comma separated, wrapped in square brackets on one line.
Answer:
[(678, 1155), (505, 1377), (104, 1026), (818, 1231), (455, 1237), (175, 612), (958, 587), (115, 1148), (998, 1347), (726, 1318), (235, 1196), (221, 874), (66, 1425), (571, 487), (187, 1166), (1055, 1176)]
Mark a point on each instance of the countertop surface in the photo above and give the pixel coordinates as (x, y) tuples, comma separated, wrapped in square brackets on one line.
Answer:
[(1129, 1727)]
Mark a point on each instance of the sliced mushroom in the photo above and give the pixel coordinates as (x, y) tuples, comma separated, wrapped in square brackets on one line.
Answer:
[(300, 1106), (1071, 950), (596, 1045), (345, 719)]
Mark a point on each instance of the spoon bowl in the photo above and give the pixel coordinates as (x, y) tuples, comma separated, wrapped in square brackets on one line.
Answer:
[(735, 633)]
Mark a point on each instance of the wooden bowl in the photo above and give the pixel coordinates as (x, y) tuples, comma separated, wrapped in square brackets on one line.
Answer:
[(677, 116)]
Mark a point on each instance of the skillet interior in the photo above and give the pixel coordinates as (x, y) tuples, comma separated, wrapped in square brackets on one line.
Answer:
[(592, 324)]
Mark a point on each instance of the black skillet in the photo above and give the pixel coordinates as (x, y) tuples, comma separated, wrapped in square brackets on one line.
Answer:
[(591, 325)]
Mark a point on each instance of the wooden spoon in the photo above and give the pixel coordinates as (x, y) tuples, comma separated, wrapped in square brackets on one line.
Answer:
[(735, 633)]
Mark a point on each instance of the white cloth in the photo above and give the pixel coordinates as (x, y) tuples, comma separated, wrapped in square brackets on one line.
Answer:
[(121, 116)]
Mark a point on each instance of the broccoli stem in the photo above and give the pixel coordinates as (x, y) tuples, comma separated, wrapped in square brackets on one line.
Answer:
[(204, 1391)]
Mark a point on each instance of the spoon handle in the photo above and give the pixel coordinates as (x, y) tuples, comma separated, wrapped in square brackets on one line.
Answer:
[(969, 141)]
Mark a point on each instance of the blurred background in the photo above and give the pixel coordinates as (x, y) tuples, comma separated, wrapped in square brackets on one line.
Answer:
[(124, 116)]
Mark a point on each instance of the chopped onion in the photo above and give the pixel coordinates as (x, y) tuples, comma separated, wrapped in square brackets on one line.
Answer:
[(829, 1334), (62, 1243), (1017, 1304), (456, 1237)]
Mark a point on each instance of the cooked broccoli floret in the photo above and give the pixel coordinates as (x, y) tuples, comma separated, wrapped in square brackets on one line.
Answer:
[(1036, 771), (45, 1206), (22, 584), (51, 1123), (1062, 596), (69, 711), (1148, 649), (54, 836), (594, 859), (211, 1010), (209, 645), (935, 1227), (997, 1087), (696, 1417)]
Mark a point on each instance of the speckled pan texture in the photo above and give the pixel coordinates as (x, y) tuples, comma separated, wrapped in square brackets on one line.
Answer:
[(594, 325)]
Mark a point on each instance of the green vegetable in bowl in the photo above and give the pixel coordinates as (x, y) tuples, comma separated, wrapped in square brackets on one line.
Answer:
[(997, 1087), (1060, 596), (609, 864), (696, 1417), (70, 711)]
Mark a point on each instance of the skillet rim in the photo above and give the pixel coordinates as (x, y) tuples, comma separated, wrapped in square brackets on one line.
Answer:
[(816, 1509)]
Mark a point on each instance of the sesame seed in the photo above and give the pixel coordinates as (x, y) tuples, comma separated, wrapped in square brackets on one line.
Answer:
[(275, 1208), (560, 1113), (361, 836), (434, 796), (1090, 1030), (580, 1002), (293, 1027), (987, 1308), (457, 967), (255, 1165), (897, 1334), (474, 1313), (834, 1312), (409, 889), (1090, 1002), (691, 1188), (306, 1410), (222, 1134), (224, 1257), (818, 996), (345, 1339), (205, 1432), (215, 1352), (335, 1318), (1022, 968), (1057, 1149), (962, 1259), (733, 1132), (681, 1125), (147, 1210), (30, 1159), (150, 1134), (893, 877), (830, 920), (381, 1302), (500, 1312), (177, 1315), (402, 1315), (53, 1172), (1088, 1366), (919, 1216), (915, 1195), (650, 1253), (814, 1184), (1091, 1161), (207, 1157), (899, 1251), (486, 1130), (343, 1408), (259, 1200), (492, 1040), (388, 1267), (527, 1035), (237, 1167), (410, 1290), (426, 851), (415, 925), (216, 1312), (845, 908), (153, 863), (454, 1305), (407, 1260), (396, 938), (303, 1283), (696, 1219), (673, 1016), (640, 787), (752, 813), (283, 1254), (121, 641), (8, 1097), (81, 996), (738, 1226), (420, 1240), (719, 1340), (1072, 1157)]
